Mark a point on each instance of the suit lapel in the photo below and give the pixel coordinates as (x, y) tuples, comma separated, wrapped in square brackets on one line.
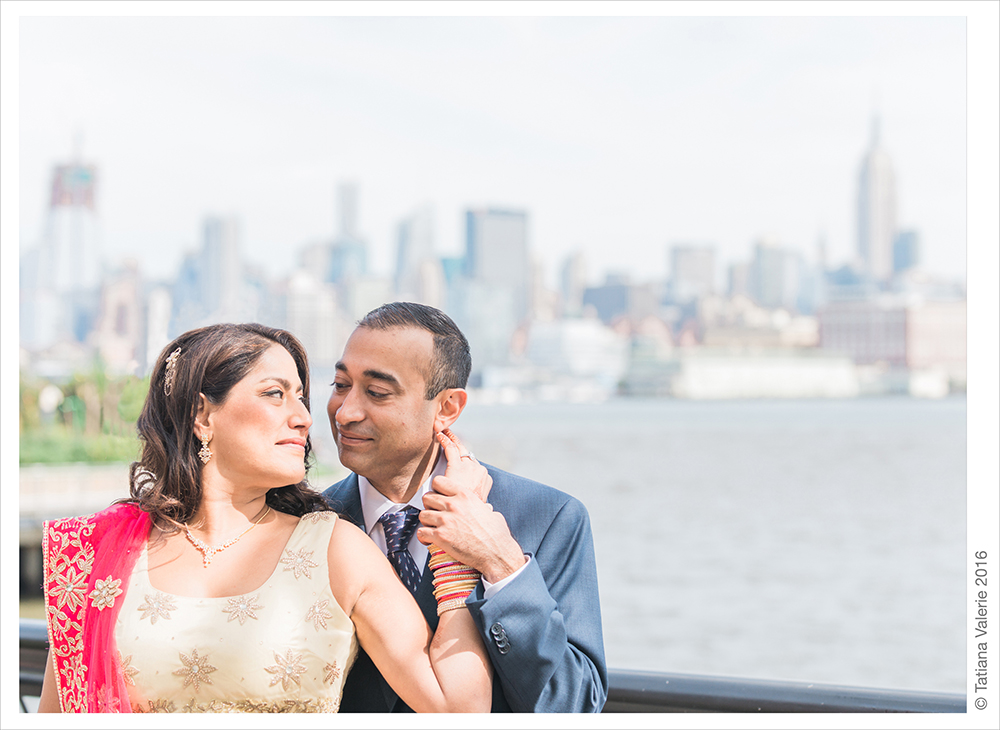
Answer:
[(345, 498)]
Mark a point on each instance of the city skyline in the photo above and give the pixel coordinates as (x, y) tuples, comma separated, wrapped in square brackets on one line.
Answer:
[(613, 150)]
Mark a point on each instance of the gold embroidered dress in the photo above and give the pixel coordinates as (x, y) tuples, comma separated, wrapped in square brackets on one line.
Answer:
[(284, 647)]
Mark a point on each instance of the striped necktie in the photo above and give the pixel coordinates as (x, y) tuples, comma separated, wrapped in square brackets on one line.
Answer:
[(399, 527)]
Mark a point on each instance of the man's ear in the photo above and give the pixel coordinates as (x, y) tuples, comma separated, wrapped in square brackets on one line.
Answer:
[(203, 418), (450, 406)]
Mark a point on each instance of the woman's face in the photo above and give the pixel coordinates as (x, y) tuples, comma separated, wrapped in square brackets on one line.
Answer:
[(259, 432)]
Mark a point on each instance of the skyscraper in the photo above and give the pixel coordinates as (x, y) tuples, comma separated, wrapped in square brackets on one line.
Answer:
[(692, 272), (876, 209), (61, 275), (491, 300), (905, 251), (349, 253), (419, 276), (496, 253), (222, 268), (775, 275)]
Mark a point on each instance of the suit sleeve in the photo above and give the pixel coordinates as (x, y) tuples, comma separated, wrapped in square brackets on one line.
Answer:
[(543, 630)]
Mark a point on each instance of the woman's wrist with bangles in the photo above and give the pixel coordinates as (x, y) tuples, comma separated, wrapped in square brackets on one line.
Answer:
[(453, 581)]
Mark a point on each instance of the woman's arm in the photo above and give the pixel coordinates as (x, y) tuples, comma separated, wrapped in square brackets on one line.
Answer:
[(49, 700), (447, 671)]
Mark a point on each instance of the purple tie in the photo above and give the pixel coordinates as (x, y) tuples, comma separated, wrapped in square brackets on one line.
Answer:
[(399, 528)]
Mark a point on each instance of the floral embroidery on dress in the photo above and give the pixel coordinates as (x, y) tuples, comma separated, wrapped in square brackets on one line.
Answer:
[(287, 670), (332, 672), (105, 592), (318, 613), (317, 516), (196, 669), (126, 668), (299, 563), (242, 607), (161, 706), (157, 607), (70, 588), (68, 561), (322, 704), (106, 700)]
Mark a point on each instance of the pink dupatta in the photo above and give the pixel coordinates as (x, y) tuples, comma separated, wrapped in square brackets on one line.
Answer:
[(87, 565)]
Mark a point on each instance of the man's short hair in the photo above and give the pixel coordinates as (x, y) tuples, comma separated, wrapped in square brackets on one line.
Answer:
[(452, 360)]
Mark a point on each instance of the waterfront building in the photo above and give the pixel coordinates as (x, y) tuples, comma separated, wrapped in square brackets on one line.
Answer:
[(905, 251), (311, 313), (157, 325), (221, 268), (738, 283), (496, 254), (572, 283), (618, 297), (876, 209), (419, 276), (486, 314), (908, 333), (718, 373), (582, 348), (118, 334), (211, 285), (491, 298), (692, 272), (775, 275), (739, 324), (611, 299)]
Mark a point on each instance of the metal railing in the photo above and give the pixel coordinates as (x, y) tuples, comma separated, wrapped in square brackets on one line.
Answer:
[(648, 691)]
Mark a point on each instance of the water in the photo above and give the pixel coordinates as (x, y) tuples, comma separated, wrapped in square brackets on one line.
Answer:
[(808, 540)]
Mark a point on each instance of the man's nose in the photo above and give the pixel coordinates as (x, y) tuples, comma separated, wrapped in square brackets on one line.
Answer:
[(349, 409)]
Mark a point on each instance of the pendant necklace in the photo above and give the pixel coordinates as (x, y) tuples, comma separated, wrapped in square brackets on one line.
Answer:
[(209, 551)]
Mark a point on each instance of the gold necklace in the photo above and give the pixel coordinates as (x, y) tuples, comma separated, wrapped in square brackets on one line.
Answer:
[(209, 551)]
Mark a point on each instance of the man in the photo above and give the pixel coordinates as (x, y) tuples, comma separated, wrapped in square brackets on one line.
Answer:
[(401, 380)]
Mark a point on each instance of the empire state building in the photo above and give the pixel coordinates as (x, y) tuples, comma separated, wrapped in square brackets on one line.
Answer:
[(876, 209)]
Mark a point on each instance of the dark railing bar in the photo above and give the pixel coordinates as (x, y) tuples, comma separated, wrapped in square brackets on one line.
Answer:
[(634, 691)]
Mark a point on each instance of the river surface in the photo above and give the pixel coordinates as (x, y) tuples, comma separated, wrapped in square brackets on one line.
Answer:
[(807, 540)]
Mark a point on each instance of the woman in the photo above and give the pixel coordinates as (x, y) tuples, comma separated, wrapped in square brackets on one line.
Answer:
[(223, 584)]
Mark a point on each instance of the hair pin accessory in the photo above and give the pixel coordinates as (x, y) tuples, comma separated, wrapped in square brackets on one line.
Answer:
[(168, 378)]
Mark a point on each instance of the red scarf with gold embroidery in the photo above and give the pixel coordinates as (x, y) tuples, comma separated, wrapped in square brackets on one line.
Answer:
[(87, 563)]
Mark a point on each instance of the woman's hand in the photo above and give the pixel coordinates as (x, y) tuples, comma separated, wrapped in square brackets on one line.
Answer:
[(462, 467), (464, 525)]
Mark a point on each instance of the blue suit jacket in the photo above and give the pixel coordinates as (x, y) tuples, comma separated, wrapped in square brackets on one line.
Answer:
[(548, 617)]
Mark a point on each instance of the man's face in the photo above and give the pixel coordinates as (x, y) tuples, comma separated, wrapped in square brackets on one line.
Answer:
[(382, 423)]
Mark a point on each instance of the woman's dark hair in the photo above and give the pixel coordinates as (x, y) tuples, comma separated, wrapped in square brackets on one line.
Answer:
[(166, 481)]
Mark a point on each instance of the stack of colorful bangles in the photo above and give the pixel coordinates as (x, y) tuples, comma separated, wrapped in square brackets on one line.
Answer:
[(453, 581)]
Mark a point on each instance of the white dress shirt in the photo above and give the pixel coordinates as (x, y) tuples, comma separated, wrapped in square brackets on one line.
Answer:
[(374, 504)]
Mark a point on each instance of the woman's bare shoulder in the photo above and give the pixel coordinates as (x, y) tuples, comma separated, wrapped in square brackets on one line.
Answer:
[(355, 562)]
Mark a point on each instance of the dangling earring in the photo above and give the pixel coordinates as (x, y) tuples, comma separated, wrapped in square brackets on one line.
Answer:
[(206, 453)]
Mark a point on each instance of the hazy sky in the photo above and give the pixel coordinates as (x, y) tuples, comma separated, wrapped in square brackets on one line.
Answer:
[(617, 135)]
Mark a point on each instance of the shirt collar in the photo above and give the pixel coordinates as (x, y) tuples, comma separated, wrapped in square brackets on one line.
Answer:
[(374, 504)]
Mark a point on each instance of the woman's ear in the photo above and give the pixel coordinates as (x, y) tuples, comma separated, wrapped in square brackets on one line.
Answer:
[(203, 417), (450, 407)]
